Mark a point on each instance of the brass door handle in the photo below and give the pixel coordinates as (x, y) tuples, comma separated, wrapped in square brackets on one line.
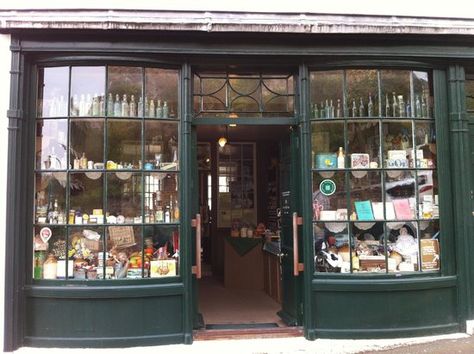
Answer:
[(197, 224), (297, 266)]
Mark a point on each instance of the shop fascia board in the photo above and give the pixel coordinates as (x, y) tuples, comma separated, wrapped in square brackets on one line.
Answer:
[(205, 21)]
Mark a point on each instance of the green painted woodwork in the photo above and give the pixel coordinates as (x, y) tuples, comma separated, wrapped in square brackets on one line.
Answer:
[(290, 197)]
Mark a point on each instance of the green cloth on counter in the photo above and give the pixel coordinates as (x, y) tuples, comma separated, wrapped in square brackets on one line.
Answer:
[(243, 245)]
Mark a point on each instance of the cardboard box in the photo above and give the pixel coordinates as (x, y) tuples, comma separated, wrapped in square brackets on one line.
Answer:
[(429, 254)]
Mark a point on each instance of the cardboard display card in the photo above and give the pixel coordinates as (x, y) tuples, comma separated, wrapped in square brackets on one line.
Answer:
[(377, 208), (429, 254), (402, 209), (364, 210)]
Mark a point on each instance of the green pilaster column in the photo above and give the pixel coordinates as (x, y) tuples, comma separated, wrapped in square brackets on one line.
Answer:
[(462, 217)]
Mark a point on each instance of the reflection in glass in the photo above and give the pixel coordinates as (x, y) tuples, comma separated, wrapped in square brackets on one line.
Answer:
[(204, 156), (425, 140), (124, 97), (87, 144), (403, 247), (395, 87), (123, 258), (53, 92), (161, 88), (161, 249), (422, 100), (161, 146), (87, 91), (428, 203), (161, 198), (124, 197), (124, 148), (85, 252), (51, 144), (327, 99), (369, 249), (365, 190), (275, 95), (329, 207), (49, 256), (327, 142), (50, 199), (469, 87), (362, 93), (85, 200), (363, 144)]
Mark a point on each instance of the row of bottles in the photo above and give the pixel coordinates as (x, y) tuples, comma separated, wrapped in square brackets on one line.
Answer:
[(397, 108), (117, 106)]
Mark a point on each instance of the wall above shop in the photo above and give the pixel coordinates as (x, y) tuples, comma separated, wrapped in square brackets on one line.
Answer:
[(361, 17)]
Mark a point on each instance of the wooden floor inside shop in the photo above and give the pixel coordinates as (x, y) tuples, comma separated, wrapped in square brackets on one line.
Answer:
[(239, 313)]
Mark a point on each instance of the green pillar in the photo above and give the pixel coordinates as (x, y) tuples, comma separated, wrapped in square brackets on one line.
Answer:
[(461, 179)]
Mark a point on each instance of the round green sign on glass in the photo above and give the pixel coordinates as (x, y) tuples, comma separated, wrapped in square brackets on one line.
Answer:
[(327, 187)]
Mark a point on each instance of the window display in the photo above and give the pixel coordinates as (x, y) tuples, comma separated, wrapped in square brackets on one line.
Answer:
[(375, 192), (100, 212)]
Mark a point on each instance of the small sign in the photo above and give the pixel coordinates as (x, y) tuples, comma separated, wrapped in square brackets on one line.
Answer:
[(327, 187), (45, 234)]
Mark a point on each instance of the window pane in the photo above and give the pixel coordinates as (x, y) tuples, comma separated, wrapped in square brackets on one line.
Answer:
[(429, 245), (51, 144), (329, 204), (124, 197), (85, 251), (362, 93), (51, 198), (161, 99), (53, 86), (400, 195), (332, 247), (124, 148), (397, 144), (87, 144), (403, 246), (369, 247), (87, 91), (86, 198), (327, 141), (327, 99), (396, 93), (124, 97), (365, 190), (162, 198), (161, 248), (363, 144), (161, 146), (423, 107), (470, 94), (123, 258), (49, 258)]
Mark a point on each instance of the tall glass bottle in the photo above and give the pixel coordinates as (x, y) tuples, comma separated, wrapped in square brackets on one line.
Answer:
[(102, 105), (387, 106), (140, 107), (166, 110), (401, 106), (133, 106), (354, 108), (159, 109), (417, 106), (117, 106), (370, 107), (110, 105), (151, 109), (95, 105), (338, 109), (361, 108), (394, 105), (125, 107)]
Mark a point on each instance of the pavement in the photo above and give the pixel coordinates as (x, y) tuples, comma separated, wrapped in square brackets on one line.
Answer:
[(450, 343)]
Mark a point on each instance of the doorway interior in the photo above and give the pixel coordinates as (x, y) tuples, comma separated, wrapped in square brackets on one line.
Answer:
[(240, 187)]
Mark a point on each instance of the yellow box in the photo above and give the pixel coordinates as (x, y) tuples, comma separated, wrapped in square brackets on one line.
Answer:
[(163, 268)]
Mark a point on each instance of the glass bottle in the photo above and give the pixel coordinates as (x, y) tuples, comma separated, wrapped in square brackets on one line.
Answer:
[(110, 105), (125, 107), (83, 161), (166, 110), (315, 111), (159, 212), (101, 105), (151, 109), (82, 106), (354, 108), (394, 105), (361, 108), (401, 106), (322, 112), (95, 105), (417, 107), (340, 158), (331, 109), (159, 109), (424, 111), (370, 107), (338, 109), (327, 112), (75, 106), (133, 106), (117, 108), (62, 106), (167, 215), (387, 106), (50, 267), (147, 107), (140, 107), (55, 212), (88, 105)]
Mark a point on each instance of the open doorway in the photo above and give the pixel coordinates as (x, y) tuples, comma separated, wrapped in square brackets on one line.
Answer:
[(240, 197)]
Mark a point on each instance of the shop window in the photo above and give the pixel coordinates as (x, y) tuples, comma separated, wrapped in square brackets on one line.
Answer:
[(106, 173), (233, 95), (374, 158), (236, 196)]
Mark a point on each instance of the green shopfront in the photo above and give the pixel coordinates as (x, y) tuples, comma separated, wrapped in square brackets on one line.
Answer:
[(104, 222)]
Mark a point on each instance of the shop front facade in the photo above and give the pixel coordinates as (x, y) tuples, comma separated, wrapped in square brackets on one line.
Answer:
[(102, 195)]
